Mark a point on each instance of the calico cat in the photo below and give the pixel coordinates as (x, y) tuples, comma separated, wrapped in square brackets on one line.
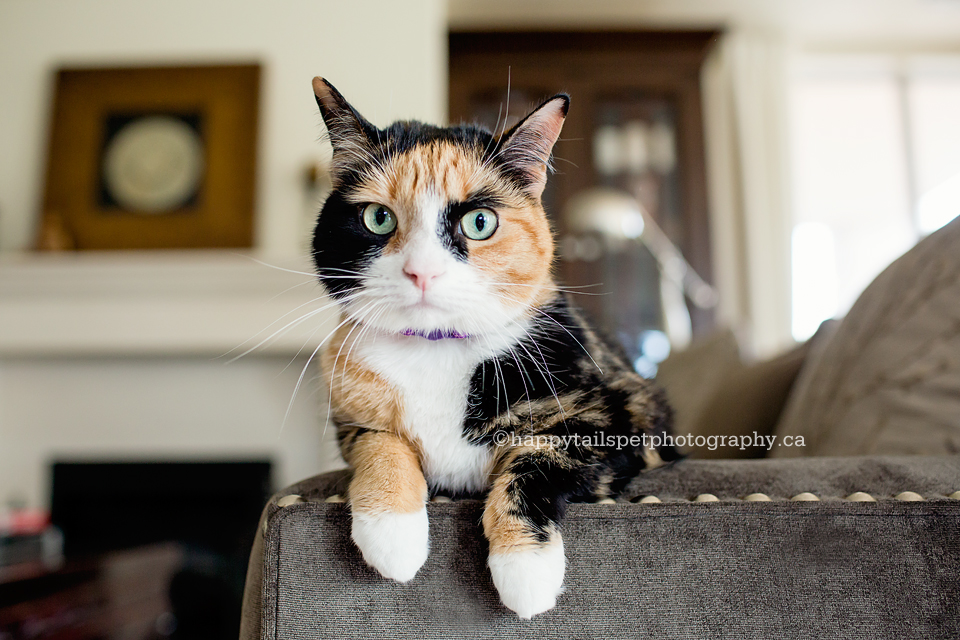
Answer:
[(459, 366)]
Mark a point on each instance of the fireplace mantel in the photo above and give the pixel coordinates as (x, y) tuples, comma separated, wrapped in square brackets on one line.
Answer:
[(178, 303)]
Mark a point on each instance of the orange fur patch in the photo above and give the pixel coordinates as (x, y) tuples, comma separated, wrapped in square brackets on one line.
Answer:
[(386, 475), (387, 472), (356, 391)]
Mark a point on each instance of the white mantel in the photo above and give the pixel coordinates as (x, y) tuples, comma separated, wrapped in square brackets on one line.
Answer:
[(201, 303), (124, 356)]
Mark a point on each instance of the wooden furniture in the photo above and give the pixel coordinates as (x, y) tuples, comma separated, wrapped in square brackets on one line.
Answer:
[(636, 91), (152, 158)]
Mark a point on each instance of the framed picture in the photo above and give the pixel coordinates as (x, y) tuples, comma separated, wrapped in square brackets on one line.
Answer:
[(152, 158)]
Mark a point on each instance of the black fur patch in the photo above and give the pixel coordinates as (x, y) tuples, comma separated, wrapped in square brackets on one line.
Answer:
[(541, 365), (342, 246), (528, 384)]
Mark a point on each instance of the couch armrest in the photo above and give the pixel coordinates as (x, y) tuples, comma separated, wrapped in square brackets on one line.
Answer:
[(678, 568)]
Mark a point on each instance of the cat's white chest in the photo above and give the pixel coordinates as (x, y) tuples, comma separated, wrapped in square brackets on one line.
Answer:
[(434, 382)]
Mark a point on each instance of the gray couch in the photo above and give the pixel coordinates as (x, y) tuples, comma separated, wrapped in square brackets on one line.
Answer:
[(674, 569), (861, 546)]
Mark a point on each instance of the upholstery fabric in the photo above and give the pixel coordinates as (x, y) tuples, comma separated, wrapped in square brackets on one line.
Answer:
[(678, 569), (714, 393), (887, 381)]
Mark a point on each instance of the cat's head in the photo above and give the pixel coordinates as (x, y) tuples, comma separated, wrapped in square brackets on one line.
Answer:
[(436, 231)]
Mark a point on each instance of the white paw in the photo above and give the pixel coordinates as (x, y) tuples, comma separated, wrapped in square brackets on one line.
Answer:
[(395, 544), (529, 581)]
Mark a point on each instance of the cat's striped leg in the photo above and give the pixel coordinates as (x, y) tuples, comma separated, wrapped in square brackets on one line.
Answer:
[(521, 520), (387, 498)]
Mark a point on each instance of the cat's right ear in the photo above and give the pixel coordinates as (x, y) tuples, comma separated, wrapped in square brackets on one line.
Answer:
[(350, 134), (525, 150)]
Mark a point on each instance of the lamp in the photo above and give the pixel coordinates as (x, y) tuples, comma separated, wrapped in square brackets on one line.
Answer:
[(602, 219)]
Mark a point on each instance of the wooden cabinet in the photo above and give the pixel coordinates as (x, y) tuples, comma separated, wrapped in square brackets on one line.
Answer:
[(634, 125)]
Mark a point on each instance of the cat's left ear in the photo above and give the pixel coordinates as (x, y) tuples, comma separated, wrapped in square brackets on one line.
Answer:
[(525, 149)]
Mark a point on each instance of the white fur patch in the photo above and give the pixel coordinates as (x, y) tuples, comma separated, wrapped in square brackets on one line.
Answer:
[(433, 379), (395, 544), (529, 581)]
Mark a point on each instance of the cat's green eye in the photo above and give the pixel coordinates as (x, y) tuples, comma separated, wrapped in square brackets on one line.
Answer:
[(479, 224), (378, 219)]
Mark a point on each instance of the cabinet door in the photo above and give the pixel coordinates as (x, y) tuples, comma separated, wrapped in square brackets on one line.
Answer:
[(634, 130)]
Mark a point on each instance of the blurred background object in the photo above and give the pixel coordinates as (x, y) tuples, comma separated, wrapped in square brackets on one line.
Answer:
[(787, 151), (151, 158)]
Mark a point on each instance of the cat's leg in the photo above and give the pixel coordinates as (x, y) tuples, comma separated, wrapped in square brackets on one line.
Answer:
[(387, 498), (521, 520)]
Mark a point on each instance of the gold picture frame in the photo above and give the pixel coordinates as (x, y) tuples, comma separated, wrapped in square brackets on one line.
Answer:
[(152, 158)]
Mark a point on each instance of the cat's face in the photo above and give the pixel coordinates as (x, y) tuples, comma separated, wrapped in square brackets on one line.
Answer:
[(436, 231)]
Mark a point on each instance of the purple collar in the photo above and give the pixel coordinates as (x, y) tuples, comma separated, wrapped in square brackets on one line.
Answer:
[(436, 334)]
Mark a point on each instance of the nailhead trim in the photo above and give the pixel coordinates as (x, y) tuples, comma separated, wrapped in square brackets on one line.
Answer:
[(806, 496), (909, 496), (288, 500)]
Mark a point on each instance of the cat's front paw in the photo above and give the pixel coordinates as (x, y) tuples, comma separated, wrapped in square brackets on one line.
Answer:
[(395, 544), (529, 580)]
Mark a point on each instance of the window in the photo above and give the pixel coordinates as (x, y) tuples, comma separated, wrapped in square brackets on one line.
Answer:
[(875, 146)]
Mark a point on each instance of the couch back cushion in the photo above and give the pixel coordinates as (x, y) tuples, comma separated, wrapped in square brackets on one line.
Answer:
[(887, 381)]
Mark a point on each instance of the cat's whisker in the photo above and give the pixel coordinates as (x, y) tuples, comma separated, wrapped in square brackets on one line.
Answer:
[(283, 329), (499, 379), (366, 325), (559, 289), (524, 374), (548, 376), (276, 333), (301, 349), (507, 114), (296, 388), (350, 272), (554, 321), (312, 276), (333, 364), (291, 288), (343, 368)]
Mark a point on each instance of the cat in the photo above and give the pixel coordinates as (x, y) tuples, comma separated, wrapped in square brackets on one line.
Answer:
[(459, 365)]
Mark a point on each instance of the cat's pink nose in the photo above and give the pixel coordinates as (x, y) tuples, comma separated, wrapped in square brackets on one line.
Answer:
[(423, 276)]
